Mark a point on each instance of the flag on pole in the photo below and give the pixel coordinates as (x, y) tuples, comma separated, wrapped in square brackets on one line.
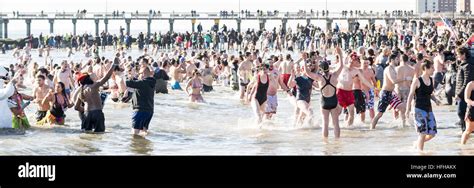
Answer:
[(470, 41), (449, 26)]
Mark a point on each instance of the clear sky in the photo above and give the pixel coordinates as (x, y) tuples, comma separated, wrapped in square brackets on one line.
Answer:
[(203, 5)]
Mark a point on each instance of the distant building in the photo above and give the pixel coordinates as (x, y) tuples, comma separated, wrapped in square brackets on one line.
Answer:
[(423, 6), (464, 5), (447, 5)]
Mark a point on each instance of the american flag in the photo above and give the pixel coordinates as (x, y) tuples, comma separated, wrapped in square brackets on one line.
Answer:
[(449, 26)]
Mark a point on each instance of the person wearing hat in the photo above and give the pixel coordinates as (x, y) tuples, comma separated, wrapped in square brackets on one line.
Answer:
[(94, 119), (345, 94), (275, 83), (329, 105)]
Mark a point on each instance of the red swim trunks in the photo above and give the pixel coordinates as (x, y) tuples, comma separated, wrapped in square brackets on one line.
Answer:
[(345, 98), (286, 78)]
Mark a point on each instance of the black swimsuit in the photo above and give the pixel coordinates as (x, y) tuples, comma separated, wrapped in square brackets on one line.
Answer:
[(328, 103), (471, 108), (262, 89), (57, 110)]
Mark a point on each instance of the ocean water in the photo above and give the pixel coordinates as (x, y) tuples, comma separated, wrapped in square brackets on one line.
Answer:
[(224, 126)]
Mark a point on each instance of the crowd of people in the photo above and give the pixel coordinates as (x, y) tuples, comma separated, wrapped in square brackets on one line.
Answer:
[(398, 67)]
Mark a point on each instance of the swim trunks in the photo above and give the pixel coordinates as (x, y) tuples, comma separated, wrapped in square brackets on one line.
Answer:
[(370, 103), (272, 104), (93, 120), (387, 98), (425, 122), (206, 88), (176, 86), (345, 98), (141, 119), (359, 101), (40, 115)]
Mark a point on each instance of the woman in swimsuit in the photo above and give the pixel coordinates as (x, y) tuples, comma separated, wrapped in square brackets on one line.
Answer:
[(329, 104), (469, 98), (59, 103), (196, 83), (304, 86), (259, 92)]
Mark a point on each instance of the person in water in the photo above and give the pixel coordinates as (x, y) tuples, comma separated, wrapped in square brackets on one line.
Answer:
[(59, 102), (161, 78), (422, 89), (89, 95), (469, 98), (329, 105), (195, 83), (304, 85), (142, 100), (17, 105), (39, 93), (258, 94)]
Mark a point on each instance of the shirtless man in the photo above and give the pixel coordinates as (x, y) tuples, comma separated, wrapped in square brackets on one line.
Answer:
[(176, 70), (439, 67), (285, 69), (404, 72), (39, 93), (89, 95), (369, 74), (65, 76), (387, 96), (275, 83), (417, 66), (207, 78), (244, 72), (345, 95)]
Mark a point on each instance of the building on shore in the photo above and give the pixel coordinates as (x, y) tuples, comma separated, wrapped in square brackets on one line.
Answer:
[(423, 6), (464, 5)]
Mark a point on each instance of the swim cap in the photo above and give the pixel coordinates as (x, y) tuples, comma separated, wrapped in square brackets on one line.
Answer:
[(324, 66), (81, 76)]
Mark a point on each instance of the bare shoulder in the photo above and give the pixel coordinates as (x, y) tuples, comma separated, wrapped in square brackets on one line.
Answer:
[(470, 84)]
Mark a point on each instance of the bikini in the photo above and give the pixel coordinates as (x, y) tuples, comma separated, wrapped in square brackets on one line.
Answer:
[(262, 89), (328, 103), (197, 85), (57, 110)]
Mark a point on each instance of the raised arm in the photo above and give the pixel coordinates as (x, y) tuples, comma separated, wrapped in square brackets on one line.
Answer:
[(341, 64), (104, 79)]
